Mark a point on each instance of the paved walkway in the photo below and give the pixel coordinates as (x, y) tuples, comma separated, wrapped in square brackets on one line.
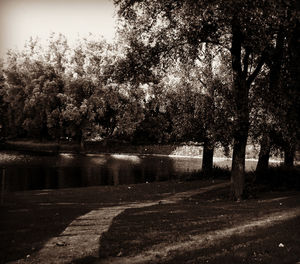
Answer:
[(82, 237)]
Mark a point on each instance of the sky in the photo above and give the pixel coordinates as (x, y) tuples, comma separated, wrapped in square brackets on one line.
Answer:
[(22, 19)]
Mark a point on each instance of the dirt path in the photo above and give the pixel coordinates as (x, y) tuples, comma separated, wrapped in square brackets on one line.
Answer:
[(81, 238), (164, 251)]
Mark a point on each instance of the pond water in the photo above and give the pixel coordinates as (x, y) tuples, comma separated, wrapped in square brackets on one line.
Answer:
[(32, 172)]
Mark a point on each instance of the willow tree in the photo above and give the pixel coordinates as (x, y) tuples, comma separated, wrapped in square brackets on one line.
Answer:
[(3, 105), (178, 28), (31, 85)]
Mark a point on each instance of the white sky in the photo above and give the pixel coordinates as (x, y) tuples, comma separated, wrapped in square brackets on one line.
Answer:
[(21, 19)]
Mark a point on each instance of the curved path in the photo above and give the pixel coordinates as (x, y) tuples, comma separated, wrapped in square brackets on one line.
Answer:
[(81, 238)]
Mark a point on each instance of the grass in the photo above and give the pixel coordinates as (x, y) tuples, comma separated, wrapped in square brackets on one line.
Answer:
[(141, 230), (217, 173), (28, 219)]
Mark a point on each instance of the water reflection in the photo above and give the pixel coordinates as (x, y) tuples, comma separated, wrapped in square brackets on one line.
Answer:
[(31, 172), (128, 158)]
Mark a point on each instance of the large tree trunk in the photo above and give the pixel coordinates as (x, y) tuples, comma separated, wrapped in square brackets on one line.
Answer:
[(274, 85), (242, 80), (293, 91), (289, 154), (208, 147), (238, 166), (44, 132), (240, 138), (82, 145), (240, 92), (264, 153), (207, 158), (80, 139)]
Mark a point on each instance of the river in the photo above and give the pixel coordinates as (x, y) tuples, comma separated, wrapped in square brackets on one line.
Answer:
[(21, 172)]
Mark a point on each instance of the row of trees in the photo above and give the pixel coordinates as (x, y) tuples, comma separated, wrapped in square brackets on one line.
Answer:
[(259, 38), (216, 72)]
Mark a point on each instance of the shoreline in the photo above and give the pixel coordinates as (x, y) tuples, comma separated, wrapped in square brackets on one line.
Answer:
[(174, 156), (94, 148)]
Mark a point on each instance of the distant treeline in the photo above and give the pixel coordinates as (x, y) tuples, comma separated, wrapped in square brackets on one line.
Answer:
[(80, 93)]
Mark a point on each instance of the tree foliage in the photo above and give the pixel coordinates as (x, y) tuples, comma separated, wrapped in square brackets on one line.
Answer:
[(61, 92)]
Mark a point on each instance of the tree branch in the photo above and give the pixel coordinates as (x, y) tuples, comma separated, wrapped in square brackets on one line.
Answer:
[(217, 43), (251, 63), (203, 83), (246, 61), (257, 70)]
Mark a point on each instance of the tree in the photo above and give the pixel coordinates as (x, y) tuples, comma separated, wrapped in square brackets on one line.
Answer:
[(83, 105), (94, 104), (155, 124), (275, 97), (13, 95), (267, 94)]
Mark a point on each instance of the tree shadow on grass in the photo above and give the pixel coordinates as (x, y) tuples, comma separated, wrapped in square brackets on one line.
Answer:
[(27, 226), (129, 234), (85, 260)]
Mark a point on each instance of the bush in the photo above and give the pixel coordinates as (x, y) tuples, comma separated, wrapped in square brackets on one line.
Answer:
[(280, 177), (217, 173)]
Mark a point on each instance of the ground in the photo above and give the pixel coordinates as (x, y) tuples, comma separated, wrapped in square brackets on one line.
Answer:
[(147, 226)]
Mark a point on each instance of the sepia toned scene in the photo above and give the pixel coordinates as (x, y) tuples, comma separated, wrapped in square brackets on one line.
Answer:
[(149, 131)]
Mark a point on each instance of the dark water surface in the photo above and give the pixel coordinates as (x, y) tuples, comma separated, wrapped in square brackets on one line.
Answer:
[(32, 172)]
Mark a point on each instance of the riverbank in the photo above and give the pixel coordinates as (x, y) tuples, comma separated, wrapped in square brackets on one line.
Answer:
[(205, 228), (109, 147), (102, 147)]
